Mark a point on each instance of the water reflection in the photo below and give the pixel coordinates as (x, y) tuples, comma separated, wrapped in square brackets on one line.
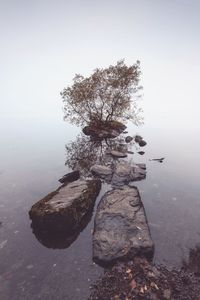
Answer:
[(83, 153), (61, 240)]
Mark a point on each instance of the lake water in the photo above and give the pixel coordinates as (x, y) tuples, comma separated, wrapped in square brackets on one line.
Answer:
[(33, 159)]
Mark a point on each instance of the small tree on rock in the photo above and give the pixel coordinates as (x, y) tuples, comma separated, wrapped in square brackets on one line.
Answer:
[(105, 96)]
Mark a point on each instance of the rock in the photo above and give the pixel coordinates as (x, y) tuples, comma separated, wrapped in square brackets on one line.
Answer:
[(141, 152), (142, 143), (128, 139), (64, 208), (121, 174), (121, 229), (118, 154), (70, 177), (158, 159), (130, 152), (124, 173), (138, 138), (102, 171), (104, 130)]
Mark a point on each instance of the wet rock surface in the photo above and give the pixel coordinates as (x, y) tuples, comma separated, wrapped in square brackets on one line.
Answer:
[(121, 229), (120, 174), (64, 208)]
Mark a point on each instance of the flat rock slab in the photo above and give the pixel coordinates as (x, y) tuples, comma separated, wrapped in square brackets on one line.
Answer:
[(121, 230), (122, 173), (117, 154), (63, 209)]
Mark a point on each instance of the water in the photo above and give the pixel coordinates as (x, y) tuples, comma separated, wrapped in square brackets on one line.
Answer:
[(33, 162)]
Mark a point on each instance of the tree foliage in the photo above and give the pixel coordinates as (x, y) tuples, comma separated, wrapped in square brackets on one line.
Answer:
[(106, 95)]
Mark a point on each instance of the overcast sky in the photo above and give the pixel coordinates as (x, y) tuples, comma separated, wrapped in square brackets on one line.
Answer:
[(44, 43)]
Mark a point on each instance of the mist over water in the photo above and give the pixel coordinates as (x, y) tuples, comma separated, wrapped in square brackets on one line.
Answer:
[(43, 45)]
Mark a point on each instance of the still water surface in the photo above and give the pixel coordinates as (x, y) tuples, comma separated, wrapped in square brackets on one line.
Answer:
[(33, 159)]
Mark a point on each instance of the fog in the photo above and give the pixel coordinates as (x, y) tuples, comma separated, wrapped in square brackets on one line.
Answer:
[(44, 43)]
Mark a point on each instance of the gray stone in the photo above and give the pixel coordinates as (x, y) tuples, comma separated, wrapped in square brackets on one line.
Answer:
[(128, 139), (121, 229), (138, 138), (102, 171), (125, 172), (118, 154), (142, 143), (122, 173), (64, 208)]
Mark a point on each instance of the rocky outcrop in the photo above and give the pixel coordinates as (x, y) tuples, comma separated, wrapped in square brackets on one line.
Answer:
[(120, 174), (64, 208), (104, 130), (121, 229)]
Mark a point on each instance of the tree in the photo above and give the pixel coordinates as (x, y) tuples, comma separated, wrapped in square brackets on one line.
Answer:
[(105, 96)]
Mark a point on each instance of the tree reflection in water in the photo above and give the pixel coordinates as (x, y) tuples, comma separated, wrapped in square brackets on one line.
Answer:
[(85, 152)]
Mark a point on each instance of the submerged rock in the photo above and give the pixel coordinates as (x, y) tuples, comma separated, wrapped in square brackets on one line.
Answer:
[(70, 177), (64, 208), (121, 229)]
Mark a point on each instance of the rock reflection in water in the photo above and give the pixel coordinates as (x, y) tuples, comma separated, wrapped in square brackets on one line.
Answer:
[(60, 240)]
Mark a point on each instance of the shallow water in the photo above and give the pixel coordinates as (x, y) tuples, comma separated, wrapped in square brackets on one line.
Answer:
[(34, 160)]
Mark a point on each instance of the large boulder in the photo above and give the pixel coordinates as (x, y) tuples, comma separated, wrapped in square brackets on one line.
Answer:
[(121, 230), (63, 209)]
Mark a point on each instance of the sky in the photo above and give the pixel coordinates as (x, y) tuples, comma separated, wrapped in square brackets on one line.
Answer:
[(45, 43)]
